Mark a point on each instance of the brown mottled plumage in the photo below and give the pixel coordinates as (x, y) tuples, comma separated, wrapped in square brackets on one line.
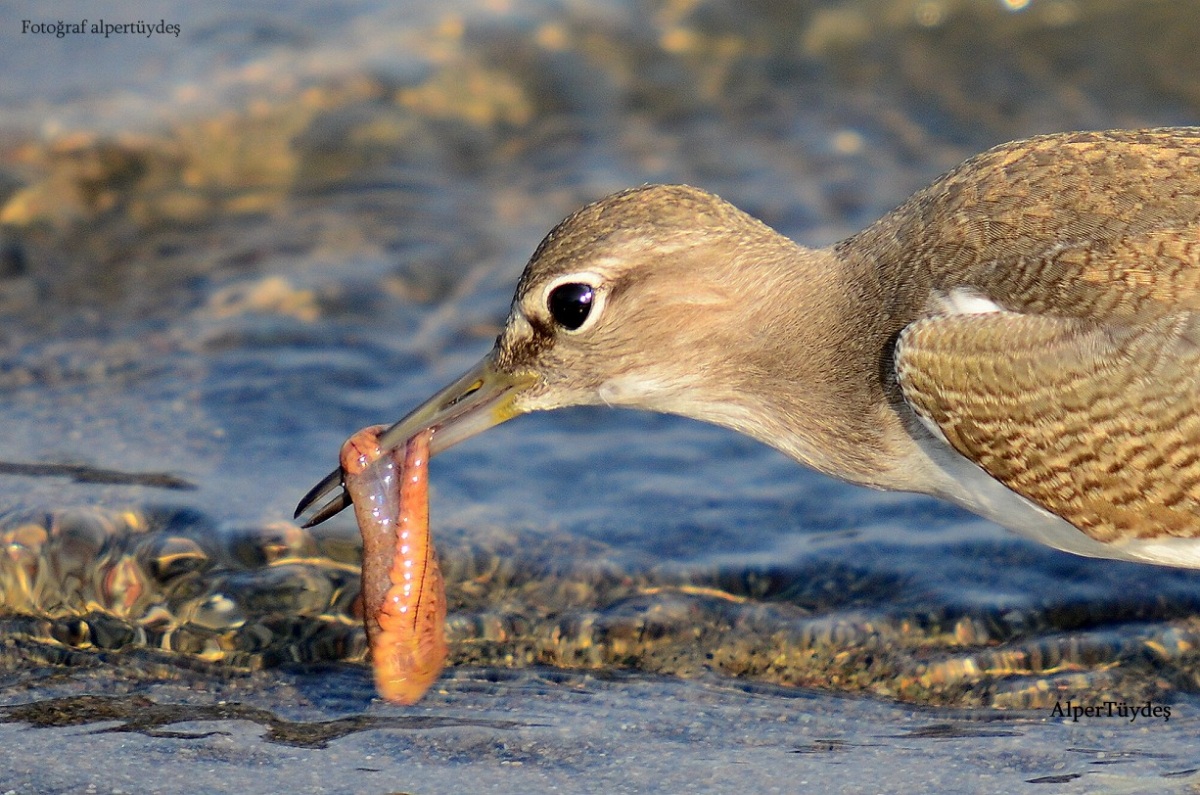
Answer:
[(1022, 337), (1100, 424)]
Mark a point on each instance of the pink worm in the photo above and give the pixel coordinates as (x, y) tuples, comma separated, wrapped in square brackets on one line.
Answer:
[(404, 596)]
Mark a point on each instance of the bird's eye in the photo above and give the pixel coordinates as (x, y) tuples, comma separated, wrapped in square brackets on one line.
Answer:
[(570, 304)]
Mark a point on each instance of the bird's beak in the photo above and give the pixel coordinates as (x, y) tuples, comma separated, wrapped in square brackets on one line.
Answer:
[(483, 397)]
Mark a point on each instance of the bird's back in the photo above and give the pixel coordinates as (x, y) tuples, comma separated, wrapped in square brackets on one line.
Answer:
[(1097, 225)]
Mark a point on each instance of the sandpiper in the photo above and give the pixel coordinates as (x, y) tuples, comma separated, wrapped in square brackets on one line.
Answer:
[(1021, 338)]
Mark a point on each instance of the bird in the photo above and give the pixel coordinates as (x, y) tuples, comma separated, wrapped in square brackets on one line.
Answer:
[(1020, 338)]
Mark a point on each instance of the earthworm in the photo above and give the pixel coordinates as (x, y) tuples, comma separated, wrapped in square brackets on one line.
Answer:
[(403, 594)]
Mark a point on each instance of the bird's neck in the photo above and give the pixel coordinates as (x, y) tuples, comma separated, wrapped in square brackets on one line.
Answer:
[(813, 370)]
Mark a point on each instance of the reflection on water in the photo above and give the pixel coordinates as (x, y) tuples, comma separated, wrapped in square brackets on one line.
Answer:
[(230, 261)]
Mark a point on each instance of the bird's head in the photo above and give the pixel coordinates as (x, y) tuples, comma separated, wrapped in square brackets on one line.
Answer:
[(663, 297)]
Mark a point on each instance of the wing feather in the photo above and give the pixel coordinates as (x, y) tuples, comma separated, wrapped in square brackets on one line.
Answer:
[(1099, 424)]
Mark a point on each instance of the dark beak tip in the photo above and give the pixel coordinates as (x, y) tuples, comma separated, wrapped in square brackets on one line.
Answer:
[(339, 501)]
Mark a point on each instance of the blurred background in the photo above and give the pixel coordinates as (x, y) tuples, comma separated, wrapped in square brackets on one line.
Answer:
[(222, 252)]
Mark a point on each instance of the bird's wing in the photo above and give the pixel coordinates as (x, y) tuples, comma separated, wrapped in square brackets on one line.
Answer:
[(1102, 226), (1097, 424)]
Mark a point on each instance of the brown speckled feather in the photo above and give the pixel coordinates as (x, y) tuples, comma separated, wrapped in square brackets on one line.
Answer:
[(1082, 396), (1101, 225), (1100, 424)]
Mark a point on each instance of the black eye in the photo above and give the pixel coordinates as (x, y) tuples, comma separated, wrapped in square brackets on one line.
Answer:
[(570, 303)]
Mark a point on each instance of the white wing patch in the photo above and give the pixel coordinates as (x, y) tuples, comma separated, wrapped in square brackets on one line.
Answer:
[(964, 301)]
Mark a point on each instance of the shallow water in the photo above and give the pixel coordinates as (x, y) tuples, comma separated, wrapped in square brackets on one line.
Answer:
[(221, 254), (546, 731)]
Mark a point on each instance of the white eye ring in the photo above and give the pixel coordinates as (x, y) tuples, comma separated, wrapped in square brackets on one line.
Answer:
[(593, 309)]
